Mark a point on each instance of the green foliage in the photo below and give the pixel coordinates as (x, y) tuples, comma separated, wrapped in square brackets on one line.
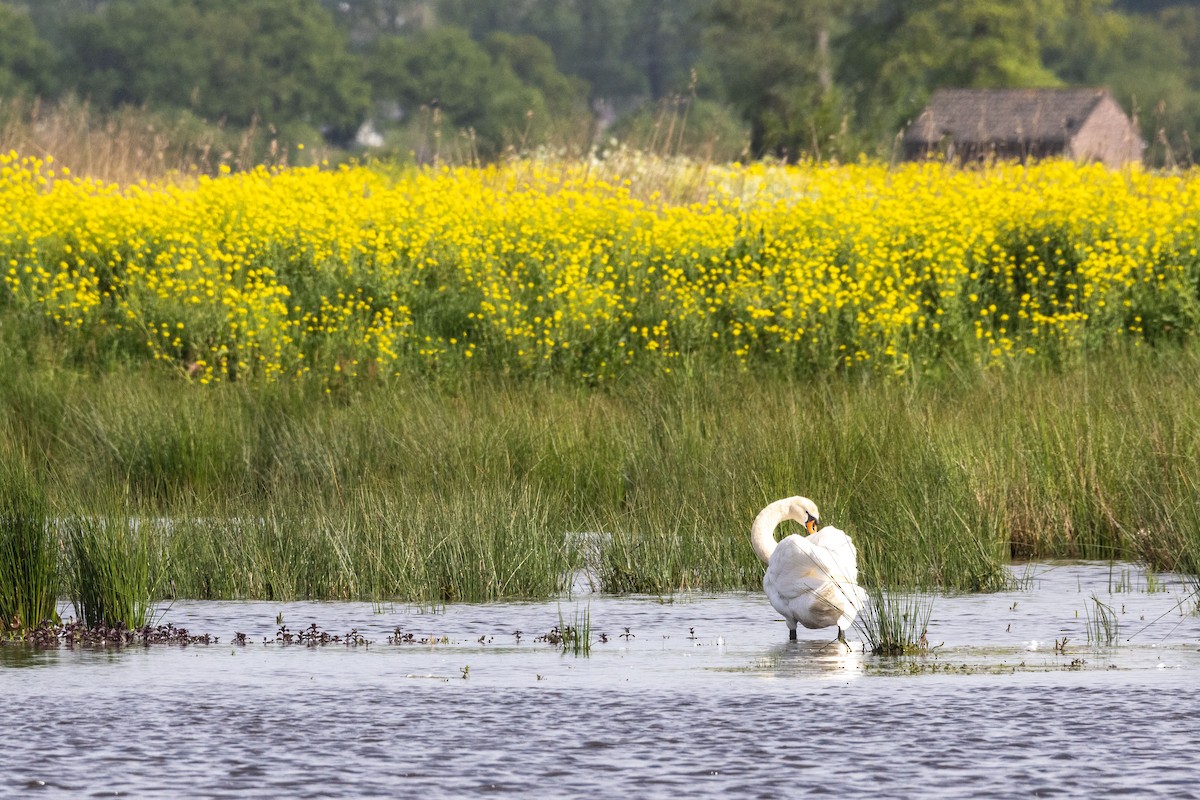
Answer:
[(27, 62), (532, 61), (445, 70), (271, 60), (777, 70), (593, 41)]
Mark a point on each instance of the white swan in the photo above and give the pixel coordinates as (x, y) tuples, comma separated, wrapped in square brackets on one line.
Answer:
[(811, 580)]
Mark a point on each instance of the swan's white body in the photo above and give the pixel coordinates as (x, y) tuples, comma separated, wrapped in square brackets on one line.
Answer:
[(810, 580)]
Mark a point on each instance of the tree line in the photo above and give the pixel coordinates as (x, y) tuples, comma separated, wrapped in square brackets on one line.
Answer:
[(823, 78)]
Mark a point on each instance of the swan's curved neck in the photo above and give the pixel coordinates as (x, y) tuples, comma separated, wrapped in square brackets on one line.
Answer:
[(762, 532)]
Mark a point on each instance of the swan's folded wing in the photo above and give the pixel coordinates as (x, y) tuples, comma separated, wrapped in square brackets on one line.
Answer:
[(811, 583), (836, 552), (795, 568)]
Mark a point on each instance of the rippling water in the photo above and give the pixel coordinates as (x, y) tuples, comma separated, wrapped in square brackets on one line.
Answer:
[(704, 696)]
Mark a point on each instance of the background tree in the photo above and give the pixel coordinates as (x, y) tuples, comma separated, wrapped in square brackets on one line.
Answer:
[(532, 61), (27, 62), (475, 88), (895, 53), (592, 39), (279, 61), (775, 64), (1150, 63), (820, 77)]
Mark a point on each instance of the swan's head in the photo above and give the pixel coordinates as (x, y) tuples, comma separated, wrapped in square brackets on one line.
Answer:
[(805, 512)]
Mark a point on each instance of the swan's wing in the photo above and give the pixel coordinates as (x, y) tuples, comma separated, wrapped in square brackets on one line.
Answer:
[(808, 582), (836, 552), (795, 569)]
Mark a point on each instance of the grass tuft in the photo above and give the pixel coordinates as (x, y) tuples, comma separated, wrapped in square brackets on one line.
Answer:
[(1103, 627), (895, 623), (28, 551), (575, 638), (111, 571)]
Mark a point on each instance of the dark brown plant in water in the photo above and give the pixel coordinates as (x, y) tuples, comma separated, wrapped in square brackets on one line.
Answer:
[(399, 637), (313, 636), (76, 634)]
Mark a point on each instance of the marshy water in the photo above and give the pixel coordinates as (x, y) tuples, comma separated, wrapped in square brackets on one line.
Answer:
[(693, 694)]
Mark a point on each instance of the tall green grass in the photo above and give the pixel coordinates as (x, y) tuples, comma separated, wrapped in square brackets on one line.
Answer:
[(113, 566), (895, 623), (1103, 627), (488, 490), (28, 549)]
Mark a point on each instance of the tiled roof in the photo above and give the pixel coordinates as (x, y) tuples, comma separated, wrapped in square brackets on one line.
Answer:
[(980, 116)]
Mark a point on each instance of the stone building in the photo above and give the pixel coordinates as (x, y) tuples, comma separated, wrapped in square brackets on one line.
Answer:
[(1023, 124)]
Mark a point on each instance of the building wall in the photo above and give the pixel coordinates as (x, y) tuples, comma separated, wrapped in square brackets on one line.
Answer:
[(969, 152), (1107, 136)]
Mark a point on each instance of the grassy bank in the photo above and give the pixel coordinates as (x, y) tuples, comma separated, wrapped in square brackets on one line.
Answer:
[(418, 492)]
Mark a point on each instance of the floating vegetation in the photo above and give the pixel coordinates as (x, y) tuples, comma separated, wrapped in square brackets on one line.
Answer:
[(76, 633), (398, 636), (313, 636)]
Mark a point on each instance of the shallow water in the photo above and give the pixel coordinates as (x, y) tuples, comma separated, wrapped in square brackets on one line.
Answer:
[(704, 695)]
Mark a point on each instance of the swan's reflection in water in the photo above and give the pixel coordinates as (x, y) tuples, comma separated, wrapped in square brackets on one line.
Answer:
[(812, 658)]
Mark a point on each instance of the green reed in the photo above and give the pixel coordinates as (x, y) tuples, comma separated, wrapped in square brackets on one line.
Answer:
[(28, 549), (112, 569), (1103, 627), (895, 623), (574, 637)]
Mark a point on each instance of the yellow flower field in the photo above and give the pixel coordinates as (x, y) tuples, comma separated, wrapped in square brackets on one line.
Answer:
[(582, 270)]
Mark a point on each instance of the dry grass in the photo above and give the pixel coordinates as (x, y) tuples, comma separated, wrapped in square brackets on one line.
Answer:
[(129, 145)]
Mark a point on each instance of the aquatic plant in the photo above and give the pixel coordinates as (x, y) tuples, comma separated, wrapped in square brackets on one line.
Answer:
[(894, 623), (76, 633), (575, 638), (1103, 626), (28, 550), (111, 570)]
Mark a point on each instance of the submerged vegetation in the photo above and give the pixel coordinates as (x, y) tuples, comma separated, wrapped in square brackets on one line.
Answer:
[(468, 384)]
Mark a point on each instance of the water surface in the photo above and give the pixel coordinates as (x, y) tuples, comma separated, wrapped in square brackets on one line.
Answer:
[(699, 694)]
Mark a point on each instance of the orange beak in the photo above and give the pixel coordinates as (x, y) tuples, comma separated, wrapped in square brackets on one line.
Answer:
[(811, 525)]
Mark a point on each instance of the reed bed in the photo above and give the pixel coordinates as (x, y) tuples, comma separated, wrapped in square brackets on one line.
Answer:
[(503, 489)]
